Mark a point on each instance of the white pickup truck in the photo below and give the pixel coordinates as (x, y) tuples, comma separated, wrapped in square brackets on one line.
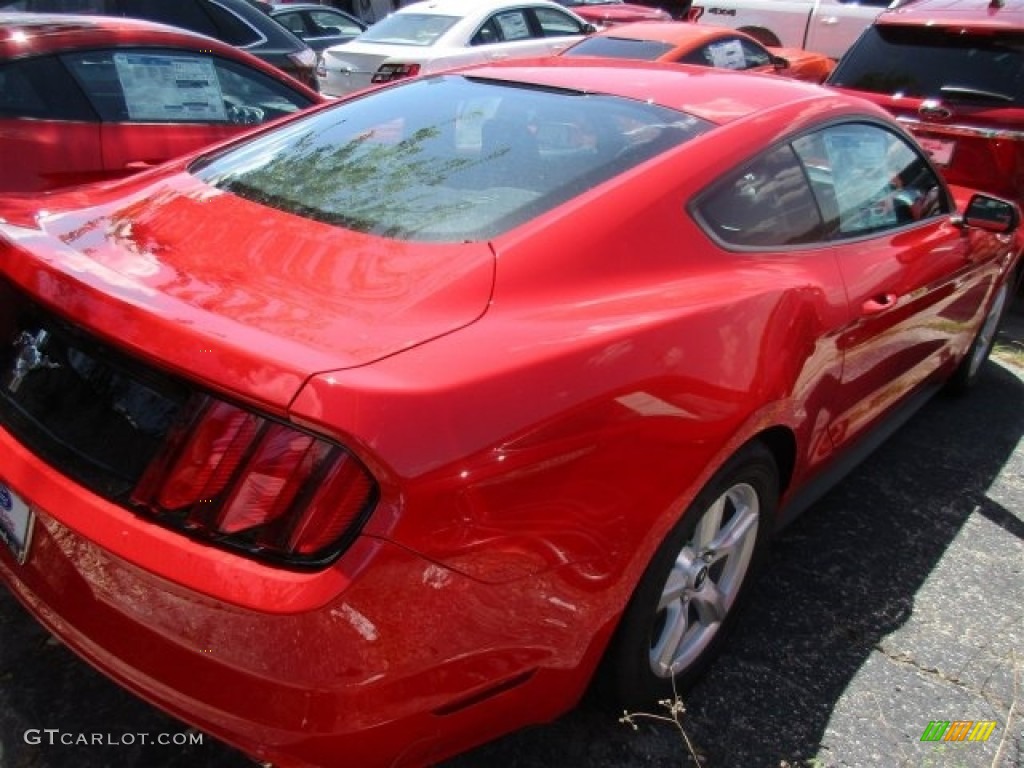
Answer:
[(825, 26)]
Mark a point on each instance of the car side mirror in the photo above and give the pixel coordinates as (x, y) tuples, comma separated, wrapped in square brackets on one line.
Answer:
[(780, 63), (589, 29), (991, 214)]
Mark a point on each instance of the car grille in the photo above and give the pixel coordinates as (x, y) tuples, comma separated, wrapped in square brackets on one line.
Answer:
[(81, 406)]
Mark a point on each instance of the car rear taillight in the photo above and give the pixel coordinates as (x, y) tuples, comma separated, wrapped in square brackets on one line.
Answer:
[(388, 72), (241, 480), (304, 66)]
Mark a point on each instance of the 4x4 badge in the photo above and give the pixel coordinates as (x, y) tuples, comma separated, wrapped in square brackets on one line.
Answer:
[(30, 357)]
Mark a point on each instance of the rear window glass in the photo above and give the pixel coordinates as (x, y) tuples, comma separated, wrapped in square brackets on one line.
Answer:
[(619, 48), (421, 29), (936, 63), (448, 158)]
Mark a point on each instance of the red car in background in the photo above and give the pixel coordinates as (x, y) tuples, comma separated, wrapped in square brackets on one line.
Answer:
[(380, 431), (88, 98), (607, 13), (717, 47), (952, 71)]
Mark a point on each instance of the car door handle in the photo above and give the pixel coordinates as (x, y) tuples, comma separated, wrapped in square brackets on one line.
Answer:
[(140, 165), (879, 303), (829, 21)]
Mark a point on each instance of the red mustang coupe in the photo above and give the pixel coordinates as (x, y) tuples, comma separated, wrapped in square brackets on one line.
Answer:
[(90, 98), (376, 433), (717, 47)]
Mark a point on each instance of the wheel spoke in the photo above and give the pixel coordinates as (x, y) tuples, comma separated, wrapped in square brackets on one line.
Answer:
[(709, 524), (666, 649), (678, 580), (736, 533), (710, 604)]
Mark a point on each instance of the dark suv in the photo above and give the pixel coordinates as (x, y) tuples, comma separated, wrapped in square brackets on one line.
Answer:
[(952, 71), (236, 22)]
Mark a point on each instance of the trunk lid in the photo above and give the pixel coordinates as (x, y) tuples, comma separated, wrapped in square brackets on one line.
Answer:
[(245, 298)]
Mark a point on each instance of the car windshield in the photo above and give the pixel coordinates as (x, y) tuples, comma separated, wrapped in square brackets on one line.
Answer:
[(619, 48), (446, 158), (936, 63), (420, 29)]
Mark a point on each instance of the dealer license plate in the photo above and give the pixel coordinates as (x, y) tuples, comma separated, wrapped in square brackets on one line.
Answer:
[(940, 149), (15, 523)]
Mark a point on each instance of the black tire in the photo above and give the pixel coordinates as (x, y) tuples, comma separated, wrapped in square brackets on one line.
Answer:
[(641, 661), (966, 374)]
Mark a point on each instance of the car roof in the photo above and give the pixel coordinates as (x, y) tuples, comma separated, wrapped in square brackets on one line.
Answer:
[(970, 14), (23, 34), (673, 32), (719, 96), (277, 8), (463, 8)]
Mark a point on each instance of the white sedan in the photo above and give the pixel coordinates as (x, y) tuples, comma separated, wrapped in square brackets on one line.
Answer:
[(432, 35)]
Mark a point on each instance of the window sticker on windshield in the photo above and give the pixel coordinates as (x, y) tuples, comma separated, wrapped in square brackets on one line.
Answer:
[(727, 55), (164, 87), (513, 26)]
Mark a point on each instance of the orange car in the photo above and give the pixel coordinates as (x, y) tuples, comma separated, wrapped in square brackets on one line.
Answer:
[(705, 46)]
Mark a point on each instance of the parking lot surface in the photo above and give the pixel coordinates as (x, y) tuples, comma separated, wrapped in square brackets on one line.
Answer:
[(895, 602)]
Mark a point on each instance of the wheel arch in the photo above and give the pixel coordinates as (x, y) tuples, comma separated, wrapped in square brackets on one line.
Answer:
[(781, 443), (763, 35)]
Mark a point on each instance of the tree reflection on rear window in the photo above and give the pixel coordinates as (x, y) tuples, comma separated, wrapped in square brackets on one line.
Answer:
[(448, 158)]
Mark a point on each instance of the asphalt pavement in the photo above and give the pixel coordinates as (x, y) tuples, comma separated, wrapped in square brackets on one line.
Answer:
[(897, 601)]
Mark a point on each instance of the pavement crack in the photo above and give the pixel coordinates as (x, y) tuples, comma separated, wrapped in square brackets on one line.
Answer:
[(907, 659)]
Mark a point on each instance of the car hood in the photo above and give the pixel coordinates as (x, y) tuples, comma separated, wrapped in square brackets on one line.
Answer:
[(232, 292)]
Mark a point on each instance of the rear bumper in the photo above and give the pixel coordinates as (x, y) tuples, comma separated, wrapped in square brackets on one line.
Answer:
[(399, 663)]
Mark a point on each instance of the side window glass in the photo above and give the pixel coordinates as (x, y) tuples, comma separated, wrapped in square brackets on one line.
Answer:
[(178, 87), (182, 13), (251, 97), (731, 53), (292, 22), (232, 28), (768, 203), (487, 34), (755, 55), (554, 23), (512, 25), (868, 179), (329, 22), (40, 88)]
